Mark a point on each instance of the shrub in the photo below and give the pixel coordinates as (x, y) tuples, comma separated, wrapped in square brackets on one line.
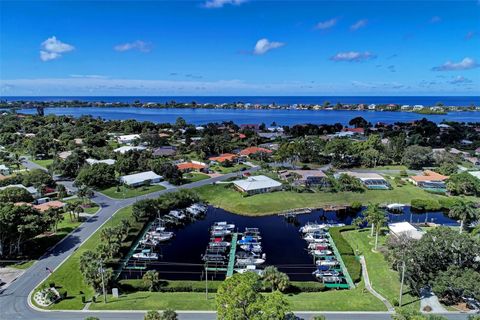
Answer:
[(426, 205), (356, 205), (353, 266)]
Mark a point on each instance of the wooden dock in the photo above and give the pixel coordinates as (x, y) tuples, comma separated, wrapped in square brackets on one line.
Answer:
[(294, 212)]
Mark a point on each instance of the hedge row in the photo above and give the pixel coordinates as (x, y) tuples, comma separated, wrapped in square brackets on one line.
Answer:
[(346, 251)]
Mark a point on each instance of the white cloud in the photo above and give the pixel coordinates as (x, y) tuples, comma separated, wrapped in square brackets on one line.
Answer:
[(264, 45), (353, 56), (359, 24), (52, 49), (88, 76), (460, 80), (139, 45), (323, 25), (221, 3), (466, 64)]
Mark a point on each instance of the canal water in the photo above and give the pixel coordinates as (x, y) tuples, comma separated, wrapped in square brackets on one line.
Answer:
[(180, 259)]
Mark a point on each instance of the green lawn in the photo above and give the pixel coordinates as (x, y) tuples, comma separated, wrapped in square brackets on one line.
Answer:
[(68, 275), (130, 192), (92, 209), (194, 176), (384, 280), (43, 163), (357, 299), (224, 170), (223, 196)]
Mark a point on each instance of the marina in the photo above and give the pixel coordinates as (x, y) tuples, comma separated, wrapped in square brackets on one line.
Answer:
[(181, 258)]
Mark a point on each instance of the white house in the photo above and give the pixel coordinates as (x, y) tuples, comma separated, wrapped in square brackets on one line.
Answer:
[(138, 179), (405, 107), (91, 161), (33, 191), (125, 149), (418, 107), (257, 184), (128, 138), (372, 106), (405, 228)]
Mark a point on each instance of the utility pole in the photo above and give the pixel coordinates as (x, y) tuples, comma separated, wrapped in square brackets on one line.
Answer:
[(401, 284), (101, 270), (206, 281)]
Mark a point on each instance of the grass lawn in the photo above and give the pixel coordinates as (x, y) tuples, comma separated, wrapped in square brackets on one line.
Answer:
[(384, 280), (262, 204), (130, 192), (43, 163), (333, 300), (68, 275), (92, 209), (224, 170), (194, 176), (389, 167)]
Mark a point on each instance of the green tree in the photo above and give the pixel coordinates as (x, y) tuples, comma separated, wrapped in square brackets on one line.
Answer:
[(151, 279), (275, 279), (152, 315), (456, 282), (37, 178), (91, 266), (376, 217), (417, 157), (99, 175), (14, 194), (358, 122), (357, 222), (169, 314), (463, 183), (464, 211)]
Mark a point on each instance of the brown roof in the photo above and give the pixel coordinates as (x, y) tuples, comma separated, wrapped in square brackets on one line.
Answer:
[(252, 150), (47, 205), (429, 175), (223, 157), (190, 165)]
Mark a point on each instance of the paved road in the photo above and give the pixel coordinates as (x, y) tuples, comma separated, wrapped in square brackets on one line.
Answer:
[(14, 300)]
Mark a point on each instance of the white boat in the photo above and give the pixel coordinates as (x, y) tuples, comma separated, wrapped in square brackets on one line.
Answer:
[(331, 225), (224, 225), (254, 247), (318, 246), (193, 211), (250, 268), (160, 236), (250, 261), (315, 238), (396, 206), (321, 252), (220, 233), (219, 244), (145, 255), (199, 206), (149, 242), (312, 227), (330, 263), (177, 214), (323, 274)]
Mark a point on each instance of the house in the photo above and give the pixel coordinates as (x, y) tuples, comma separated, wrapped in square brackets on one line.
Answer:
[(372, 106), (252, 150), (405, 107), (305, 177), (429, 180), (127, 139), (49, 205), (257, 184), (399, 229), (4, 170), (64, 155), (32, 190), (418, 107), (476, 174), (191, 166), (474, 160), (224, 157), (139, 179), (271, 135), (165, 151), (78, 141), (369, 179), (466, 142), (106, 161), (359, 131), (126, 149)]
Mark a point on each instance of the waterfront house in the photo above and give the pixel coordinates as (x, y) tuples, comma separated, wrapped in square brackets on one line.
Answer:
[(401, 229), (128, 138), (355, 131), (32, 190), (308, 178), (139, 179), (418, 107), (429, 180), (370, 180), (372, 106), (164, 151), (126, 149), (257, 184), (91, 161), (230, 157), (192, 166)]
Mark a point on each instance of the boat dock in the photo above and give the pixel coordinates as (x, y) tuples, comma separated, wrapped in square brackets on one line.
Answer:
[(349, 284), (231, 258), (292, 213)]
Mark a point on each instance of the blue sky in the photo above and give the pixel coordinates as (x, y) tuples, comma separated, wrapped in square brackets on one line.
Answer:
[(240, 47)]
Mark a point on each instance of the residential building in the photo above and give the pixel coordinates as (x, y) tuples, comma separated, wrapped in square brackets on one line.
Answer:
[(224, 157), (257, 184), (106, 161), (369, 179), (252, 150), (191, 166), (126, 149), (307, 178), (32, 190), (127, 139), (400, 229), (139, 179), (165, 151), (4, 170), (429, 180)]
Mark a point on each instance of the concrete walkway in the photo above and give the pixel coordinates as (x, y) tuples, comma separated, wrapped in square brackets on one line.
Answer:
[(369, 287), (429, 299)]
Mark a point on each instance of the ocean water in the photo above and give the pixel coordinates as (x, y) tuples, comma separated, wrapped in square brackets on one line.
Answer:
[(242, 116)]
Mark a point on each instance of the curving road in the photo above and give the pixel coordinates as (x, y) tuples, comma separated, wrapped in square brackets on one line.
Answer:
[(14, 299)]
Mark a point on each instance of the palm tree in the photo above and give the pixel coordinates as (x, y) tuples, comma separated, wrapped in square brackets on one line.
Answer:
[(276, 279), (379, 220), (70, 208), (358, 222), (370, 213), (463, 211)]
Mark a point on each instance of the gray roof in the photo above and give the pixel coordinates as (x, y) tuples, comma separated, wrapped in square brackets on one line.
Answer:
[(140, 177), (257, 182)]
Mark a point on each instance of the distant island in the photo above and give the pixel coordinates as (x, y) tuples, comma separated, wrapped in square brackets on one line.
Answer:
[(438, 109)]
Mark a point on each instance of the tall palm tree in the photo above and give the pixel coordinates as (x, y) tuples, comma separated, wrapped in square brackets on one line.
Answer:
[(379, 219), (464, 211), (370, 215), (277, 280)]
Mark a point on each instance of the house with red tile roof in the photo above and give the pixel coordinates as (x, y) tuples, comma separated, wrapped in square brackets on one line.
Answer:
[(252, 150), (191, 166), (224, 157)]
